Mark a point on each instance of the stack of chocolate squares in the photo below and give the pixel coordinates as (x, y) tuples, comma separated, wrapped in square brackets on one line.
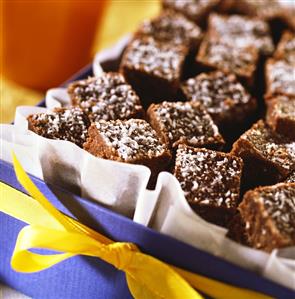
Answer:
[(183, 90)]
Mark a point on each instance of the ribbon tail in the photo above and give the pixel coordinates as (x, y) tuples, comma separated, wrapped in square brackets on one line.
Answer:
[(218, 289)]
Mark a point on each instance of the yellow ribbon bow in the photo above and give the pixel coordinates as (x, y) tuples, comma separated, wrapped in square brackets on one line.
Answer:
[(147, 277)]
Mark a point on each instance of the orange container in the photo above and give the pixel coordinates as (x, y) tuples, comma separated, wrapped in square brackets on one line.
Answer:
[(45, 41)]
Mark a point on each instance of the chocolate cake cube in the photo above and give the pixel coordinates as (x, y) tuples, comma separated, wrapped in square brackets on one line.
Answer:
[(196, 10), (277, 12), (131, 141), (225, 99), (184, 123), (291, 178), (153, 68), (286, 48), (106, 97), (237, 230), (216, 54), (173, 28), (263, 9), (280, 115), (210, 181), (280, 78), (69, 124), (242, 31), (268, 156), (269, 214)]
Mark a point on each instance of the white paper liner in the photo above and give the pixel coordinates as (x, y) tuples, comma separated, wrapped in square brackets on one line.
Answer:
[(65, 164), (122, 187)]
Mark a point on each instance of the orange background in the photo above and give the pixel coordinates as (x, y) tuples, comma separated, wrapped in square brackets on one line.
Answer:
[(120, 17)]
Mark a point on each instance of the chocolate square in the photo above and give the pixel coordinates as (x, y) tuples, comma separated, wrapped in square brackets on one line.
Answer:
[(210, 181), (269, 214), (223, 96), (153, 68), (184, 123), (70, 124), (106, 97)]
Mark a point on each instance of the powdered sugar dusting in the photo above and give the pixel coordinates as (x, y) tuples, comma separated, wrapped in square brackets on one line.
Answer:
[(242, 31), (187, 122), (192, 8), (208, 177), (279, 204), (155, 58), (69, 124), (281, 77), (132, 139), (171, 27), (219, 93), (106, 97), (241, 61)]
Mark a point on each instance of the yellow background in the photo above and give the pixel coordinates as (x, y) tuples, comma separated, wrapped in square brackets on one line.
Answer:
[(121, 17)]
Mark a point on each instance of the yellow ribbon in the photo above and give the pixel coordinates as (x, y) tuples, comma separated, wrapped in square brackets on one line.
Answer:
[(147, 277)]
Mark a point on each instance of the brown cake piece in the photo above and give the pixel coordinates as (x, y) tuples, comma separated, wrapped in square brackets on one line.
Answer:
[(280, 77), (184, 123), (263, 9), (69, 124), (196, 10), (280, 115), (288, 15), (277, 12), (291, 178), (132, 141), (237, 230), (269, 214), (242, 31), (173, 28), (153, 68), (210, 181), (268, 156), (286, 48), (216, 54), (106, 97), (225, 99)]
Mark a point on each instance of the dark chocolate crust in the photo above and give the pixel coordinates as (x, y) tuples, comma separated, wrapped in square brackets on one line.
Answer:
[(269, 214)]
